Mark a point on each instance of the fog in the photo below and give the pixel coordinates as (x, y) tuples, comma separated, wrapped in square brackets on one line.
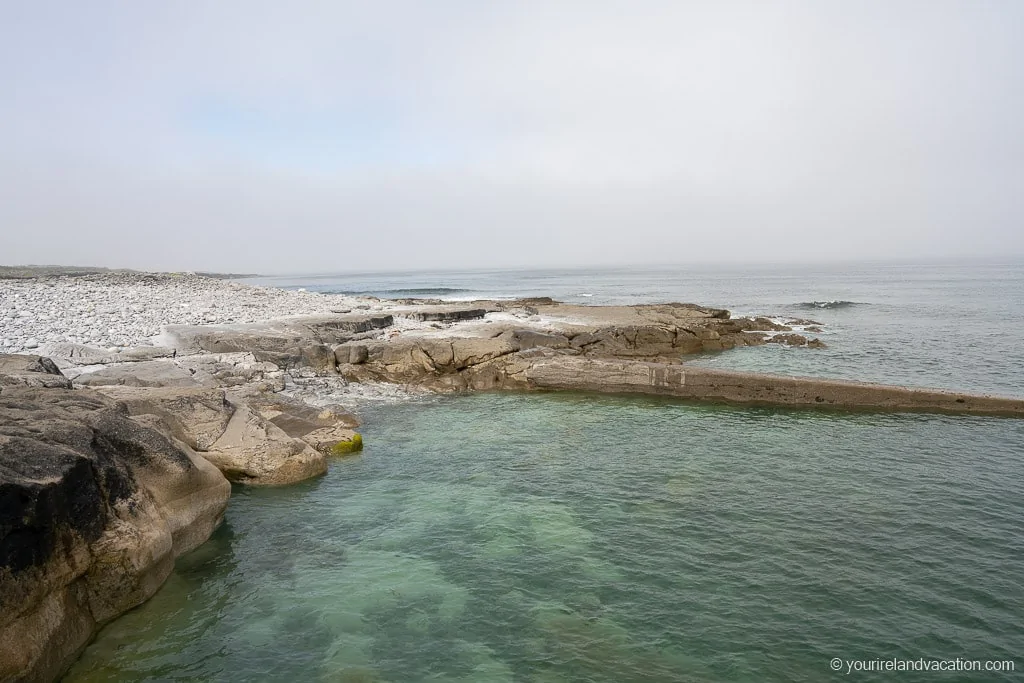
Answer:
[(334, 136)]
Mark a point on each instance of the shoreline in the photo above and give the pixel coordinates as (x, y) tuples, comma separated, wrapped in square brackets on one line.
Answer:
[(116, 321), (143, 396)]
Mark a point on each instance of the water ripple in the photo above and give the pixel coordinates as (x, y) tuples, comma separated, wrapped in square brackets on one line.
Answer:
[(561, 538)]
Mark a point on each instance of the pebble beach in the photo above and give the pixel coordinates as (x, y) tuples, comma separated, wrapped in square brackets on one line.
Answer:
[(125, 309)]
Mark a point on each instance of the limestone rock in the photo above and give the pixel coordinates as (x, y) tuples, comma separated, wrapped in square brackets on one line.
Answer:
[(794, 339), (94, 507), (528, 339), (449, 314), (81, 354), (253, 450), (469, 351), (32, 371), (354, 354), (196, 416), (154, 373)]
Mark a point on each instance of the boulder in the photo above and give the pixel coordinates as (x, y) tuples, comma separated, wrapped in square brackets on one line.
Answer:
[(196, 416), (319, 357), (274, 337), (32, 371), (94, 508), (790, 339), (354, 354), (467, 351), (406, 359), (253, 450)]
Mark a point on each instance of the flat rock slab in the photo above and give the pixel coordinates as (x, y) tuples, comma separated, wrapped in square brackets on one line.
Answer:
[(449, 314), (31, 371), (155, 373), (80, 354), (633, 377)]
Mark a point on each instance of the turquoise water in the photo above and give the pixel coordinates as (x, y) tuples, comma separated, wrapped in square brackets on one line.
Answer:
[(568, 538)]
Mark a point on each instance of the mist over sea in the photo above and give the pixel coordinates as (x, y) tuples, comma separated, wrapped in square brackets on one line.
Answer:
[(562, 537)]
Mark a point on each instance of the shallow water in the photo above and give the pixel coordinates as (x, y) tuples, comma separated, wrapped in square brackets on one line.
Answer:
[(568, 538)]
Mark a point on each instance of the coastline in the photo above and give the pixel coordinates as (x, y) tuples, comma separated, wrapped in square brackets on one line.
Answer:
[(248, 384)]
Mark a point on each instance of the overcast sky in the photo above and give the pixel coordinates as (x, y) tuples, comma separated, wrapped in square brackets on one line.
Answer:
[(330, 136)]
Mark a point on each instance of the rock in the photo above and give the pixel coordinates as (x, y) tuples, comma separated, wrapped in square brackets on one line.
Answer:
[(351, 353), (288, 345), (816, 344), (196, 416), (448, 314), (532, 301), (758, 324), (94, 508), (80, 354), (318, 357), (253, 450), (555, 370), (335, 329), (155, 373), (406, 359), (32, 371), (791, 339), (344, 447), (528, 339), (230, 369), (469, 351), (637, 341), (334, 440)]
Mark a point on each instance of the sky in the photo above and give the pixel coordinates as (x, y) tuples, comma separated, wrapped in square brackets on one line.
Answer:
[(285, 137)]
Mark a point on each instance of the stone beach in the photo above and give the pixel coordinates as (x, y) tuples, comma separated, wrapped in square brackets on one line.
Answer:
[(129, 401), (126, 309)]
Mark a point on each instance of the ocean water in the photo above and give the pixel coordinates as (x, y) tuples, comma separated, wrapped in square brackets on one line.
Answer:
[(951, 325), (564, 537)]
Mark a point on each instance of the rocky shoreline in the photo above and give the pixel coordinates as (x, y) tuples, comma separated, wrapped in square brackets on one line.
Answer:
[(129, 403)]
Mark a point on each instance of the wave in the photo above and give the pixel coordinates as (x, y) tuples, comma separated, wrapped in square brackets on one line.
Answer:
[(827, 304), (409, 291), (425, 290)]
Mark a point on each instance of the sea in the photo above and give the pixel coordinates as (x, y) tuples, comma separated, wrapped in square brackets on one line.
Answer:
[(569, 537)]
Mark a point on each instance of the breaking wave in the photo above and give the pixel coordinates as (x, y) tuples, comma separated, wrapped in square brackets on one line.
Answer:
[(827, 304), (426, 290), (401, 292)]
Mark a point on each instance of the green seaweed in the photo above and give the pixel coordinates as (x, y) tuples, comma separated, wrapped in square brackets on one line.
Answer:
[(345, 447)]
